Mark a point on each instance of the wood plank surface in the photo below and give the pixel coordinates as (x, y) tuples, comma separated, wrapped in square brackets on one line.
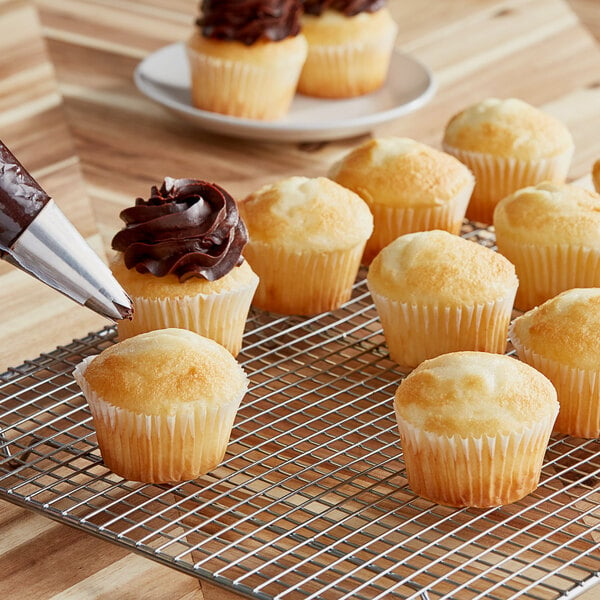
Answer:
[(70, 111)]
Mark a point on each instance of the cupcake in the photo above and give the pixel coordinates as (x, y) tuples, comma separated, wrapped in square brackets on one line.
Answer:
[(163, 404), (179, 259), (306, 239), (551, 233), (349, 47), (408, 186), (474, 428), (436, 292), (245, 57), (561, 339), (507, 144), (596, 175)]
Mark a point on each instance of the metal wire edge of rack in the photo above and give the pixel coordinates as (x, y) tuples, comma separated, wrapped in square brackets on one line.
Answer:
[(311, 500)]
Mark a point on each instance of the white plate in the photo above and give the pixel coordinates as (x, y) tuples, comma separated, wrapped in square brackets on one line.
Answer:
[(164, 77)]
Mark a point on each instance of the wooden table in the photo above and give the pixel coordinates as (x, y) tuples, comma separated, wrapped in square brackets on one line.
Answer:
[(70, 111)]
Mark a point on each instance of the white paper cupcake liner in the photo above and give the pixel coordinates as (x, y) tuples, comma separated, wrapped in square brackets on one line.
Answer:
[(578, 391), (243, 89), (545, 271), (347, 70), (302, 283), (220, 316), (159, 449), (479, 471), (390, 222), (416, 332), (496, 177)]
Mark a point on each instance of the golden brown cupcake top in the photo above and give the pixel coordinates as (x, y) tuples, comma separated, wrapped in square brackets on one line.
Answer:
[(508, 128), (474, 394), (549, 214), (142, 285), (596, 175), (300, 213), (159, 372), (437, 267), (401, 172), (332, 27), (564, 329)]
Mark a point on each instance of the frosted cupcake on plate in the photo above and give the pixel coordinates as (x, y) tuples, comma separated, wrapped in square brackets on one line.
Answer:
[(474, 428), (551, 233), (163, 404), (561, 339), (306, 239), (408, 187), (245, 57), (436, 292), (180, 260), (350, 44), (507, 144)]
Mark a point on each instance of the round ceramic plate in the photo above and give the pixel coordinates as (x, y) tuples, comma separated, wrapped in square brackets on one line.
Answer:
[(164, 77)]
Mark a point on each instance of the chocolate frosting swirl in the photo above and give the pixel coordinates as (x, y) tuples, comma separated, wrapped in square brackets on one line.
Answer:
[(349, 8), (247, 21), (190, 228)]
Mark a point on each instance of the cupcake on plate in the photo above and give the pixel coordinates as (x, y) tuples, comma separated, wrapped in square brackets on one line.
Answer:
[(349, 47), (551, 233), (245, 57), (306, 239), (507, 144), (474, 428), (408, 187), (436, 292), (163, 404), (180, 260), (561, 339)]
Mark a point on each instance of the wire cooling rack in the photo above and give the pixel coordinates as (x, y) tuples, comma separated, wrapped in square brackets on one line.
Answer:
[(311, 500)]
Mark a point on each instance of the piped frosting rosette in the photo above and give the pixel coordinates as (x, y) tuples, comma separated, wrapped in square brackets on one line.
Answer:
[(187, 227), (248, 21), (346, 7)]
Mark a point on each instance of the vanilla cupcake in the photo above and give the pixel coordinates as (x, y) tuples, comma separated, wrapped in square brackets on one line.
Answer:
[(474, 428), (551, 233), (436, 293), (596, 175), (163, 404), (349, 47), (179, 259), (306, 239), (507, 144), (245, 57), (561, 339), (408, 187)]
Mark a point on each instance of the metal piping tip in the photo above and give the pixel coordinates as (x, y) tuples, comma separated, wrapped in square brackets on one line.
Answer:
[(111, 310), (54, 252)]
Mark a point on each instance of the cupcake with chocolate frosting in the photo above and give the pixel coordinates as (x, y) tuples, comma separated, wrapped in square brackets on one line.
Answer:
[(246, 56), (350, 43), (180, 259)]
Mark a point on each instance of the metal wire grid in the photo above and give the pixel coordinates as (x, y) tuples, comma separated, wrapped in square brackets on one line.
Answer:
[(311, 500)]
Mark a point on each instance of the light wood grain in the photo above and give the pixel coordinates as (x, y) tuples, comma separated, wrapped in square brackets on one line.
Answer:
[(33, 125), (588, 12), (69, 109)]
